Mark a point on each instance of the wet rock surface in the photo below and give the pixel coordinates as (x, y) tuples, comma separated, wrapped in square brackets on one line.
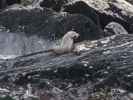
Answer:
[(101, 71)]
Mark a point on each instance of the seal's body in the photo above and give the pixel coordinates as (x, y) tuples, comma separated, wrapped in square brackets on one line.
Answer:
[(66, 46), (67, 43)]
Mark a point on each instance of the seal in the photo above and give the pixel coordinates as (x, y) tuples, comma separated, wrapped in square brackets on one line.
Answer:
[(66, 46)]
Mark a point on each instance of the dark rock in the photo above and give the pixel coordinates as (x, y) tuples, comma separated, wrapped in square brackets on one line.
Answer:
[(119, 11), (10, 2), (28, 20), (5, 3), (2, 4), (104, 66), (109, 63), (53, 4), (81, 7), (50, 24)]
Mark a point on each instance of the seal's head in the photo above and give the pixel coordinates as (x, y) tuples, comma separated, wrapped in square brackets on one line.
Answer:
[(73, 34)]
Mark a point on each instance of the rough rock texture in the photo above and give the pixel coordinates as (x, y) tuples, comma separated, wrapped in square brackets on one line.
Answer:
[(48, 22), (109, 61), (108, 10), (36, 25), (101, 71)]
